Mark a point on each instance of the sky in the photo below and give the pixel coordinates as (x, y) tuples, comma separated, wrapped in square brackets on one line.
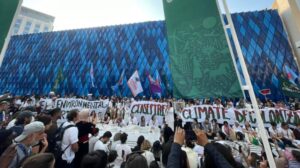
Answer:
[(74, 14)]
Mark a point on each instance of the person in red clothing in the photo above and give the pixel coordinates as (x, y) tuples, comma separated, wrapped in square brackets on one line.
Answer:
[(85, 127)]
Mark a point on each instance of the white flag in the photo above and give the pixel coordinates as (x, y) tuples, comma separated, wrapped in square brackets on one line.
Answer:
[(134, 84)]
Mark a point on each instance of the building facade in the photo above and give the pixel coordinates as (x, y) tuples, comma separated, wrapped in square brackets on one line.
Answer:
[(289, 11), (32, 21), (62, 61)]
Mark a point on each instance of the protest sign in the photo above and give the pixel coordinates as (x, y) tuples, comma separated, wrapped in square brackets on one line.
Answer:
[(201, 112), (147, 109), (69, 104)]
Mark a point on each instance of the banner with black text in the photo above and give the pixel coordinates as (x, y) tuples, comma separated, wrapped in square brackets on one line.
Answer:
[(148, 109), (201, 112), (69, 104)]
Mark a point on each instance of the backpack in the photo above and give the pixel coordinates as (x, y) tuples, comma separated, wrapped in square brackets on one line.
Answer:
[(58, 151)]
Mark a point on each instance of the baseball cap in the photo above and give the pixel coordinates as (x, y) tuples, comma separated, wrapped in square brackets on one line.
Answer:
[(29, 129), (4, 102)]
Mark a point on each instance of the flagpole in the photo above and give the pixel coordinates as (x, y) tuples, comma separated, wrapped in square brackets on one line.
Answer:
[(7, 39), (230, 48), (249, 87)]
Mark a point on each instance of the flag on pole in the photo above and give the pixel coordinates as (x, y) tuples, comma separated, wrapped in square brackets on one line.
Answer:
[(115, 87), (120, 82), (8, 9), (291, 75), (134, 84), (58, 80), (201, 63), (92, 76), (155, 84)]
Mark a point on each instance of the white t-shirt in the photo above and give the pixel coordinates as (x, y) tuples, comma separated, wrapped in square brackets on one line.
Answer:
[(114, 144), (92, 142), (133, 121), (99, 145), (11, 124), (218, 105), (149, 157), (153, 124), (286, 133), (119, 148), (199, 149), (192, 157), (273, 132), (70, 137), (237, 128), (170, 118)]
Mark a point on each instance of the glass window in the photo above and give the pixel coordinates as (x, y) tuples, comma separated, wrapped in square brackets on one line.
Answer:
[(46, 28), (17, 26), (18, 22), (37, 28), (15, 31), (27, 27)]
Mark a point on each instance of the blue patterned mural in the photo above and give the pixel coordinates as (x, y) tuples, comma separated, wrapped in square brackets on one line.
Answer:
[(61, 61), (266, 50)]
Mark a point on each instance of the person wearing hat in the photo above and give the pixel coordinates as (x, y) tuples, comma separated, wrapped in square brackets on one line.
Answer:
[(4, 105), (31, 135), (23, 118)]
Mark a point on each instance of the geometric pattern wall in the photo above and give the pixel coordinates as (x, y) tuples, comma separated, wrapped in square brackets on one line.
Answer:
[(266, 49), (61, 61)]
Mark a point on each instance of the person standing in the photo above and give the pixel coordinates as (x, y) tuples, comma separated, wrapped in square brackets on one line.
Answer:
[(133, 120), (122, 149), (101, 144), (85, 127), (31, 135), (93, 140), (145, 147), (70, 140), (55, 115), (170, 116)]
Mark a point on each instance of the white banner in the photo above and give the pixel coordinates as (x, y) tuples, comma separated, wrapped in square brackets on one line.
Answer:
[(69, 104), (147, 109), (231, 115)]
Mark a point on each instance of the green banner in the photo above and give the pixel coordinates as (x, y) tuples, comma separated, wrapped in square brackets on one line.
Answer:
[(201, 63), (288, 88), (7, 13)]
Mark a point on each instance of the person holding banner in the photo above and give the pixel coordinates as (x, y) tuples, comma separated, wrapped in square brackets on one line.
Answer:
[(142, 123), (169, 116), (275, 134), (226, 129), (106, 118), (132, 120), (153, 123), (215, 127)]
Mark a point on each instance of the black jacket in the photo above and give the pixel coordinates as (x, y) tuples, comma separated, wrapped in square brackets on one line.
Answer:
[(175, 157)]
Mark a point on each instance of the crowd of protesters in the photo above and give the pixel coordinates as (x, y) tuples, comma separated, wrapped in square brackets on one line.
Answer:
[(36, 135)]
